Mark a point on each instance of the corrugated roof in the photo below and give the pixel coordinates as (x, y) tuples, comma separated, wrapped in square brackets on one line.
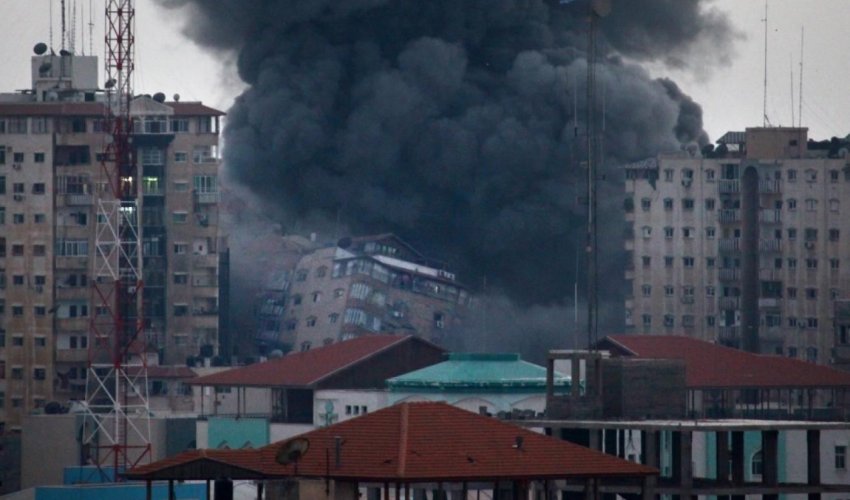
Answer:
[(713, 365), (304, 369), (463, 371), (422, 442)]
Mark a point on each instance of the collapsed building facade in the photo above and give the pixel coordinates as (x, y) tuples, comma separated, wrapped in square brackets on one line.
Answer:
[(364, 285)]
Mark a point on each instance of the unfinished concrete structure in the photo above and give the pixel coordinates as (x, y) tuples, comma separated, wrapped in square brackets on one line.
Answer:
[(722, 422), (746, 245)]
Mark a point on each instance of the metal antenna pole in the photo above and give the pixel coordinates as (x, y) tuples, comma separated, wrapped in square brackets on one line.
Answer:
[(592, 292), (800, 87), (765, 121), (118, 413)]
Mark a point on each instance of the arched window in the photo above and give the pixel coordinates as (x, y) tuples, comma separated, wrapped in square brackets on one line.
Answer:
[(757, 464)]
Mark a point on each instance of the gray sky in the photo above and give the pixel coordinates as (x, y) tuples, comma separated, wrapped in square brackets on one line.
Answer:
[(731, 96)]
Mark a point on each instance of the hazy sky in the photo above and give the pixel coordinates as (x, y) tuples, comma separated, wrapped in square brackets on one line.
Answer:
[(731, 95)]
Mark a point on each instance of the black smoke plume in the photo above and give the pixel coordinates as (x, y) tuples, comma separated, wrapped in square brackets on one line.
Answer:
[(457, 124)]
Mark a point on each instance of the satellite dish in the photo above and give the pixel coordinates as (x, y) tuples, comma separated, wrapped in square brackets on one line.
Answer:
[(159, 97), (40, 48), (176, 98), (44, 68), (110, 83), (292, 451), (601, 7), (277, 353), (64, 52)]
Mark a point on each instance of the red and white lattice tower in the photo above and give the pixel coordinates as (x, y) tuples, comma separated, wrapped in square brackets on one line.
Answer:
[(117, 429)]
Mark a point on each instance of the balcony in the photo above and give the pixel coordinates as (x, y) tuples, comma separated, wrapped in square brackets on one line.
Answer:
[(770, 302), (78, 200), (730, 216), (687, 299), (728, 274), (770, 274), (770, 216), (770, 187), (730, 303), (729, 186), (770, 245), (205, 281), (207, 198), (72, 355), (730, 244), (205, 311), (728, 333)]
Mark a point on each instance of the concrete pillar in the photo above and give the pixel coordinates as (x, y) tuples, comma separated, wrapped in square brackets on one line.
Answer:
[(722, 456), (575, 373), (171, 495), (647, 491), (148, 492), (550, 378), (749, 259), (595, 439), (649, 444), (770, 458), (738, 461), (813, 460), (686, 468)]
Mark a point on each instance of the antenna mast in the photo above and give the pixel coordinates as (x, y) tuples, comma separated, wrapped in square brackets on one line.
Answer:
[(800, 87), (793, 121), (765, 121), (117, 409)]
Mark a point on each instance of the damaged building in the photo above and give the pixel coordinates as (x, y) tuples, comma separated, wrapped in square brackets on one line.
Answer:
[(361, 285)]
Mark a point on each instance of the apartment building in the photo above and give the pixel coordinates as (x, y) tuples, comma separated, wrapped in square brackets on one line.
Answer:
[(51, 175), (365, 285), (747, 245)]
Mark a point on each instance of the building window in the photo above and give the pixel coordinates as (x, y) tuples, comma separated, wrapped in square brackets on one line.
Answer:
[(179, 217), (301, 275), (646, 231), (792, 233), (669, 290), (757, 464), (645, 204), (669, 321), (834, 234), (646, 261), (17, 311), (811, 234), (833, 176), (17, 340), (296, 300), (668, 175), (339, 292), (181, 157), (811, 323), (811, 205), (38, 157), (710, 291), (439, 320), (709, 204), (688, 204), (811, 175), (17, 251), (710, 232), (646, 319), (834, 205), (646, 290), (710, 262), (841, 457), (710, 321), (38, 188), (834, 264), (317, 296), (668, 204), (811, 264), (181, 309), (17, 373), (668, 261), (39, 373), (792, 204), (709, 175), (322, 271), (687, 232), (311, 321), (668, 232), (305, 346), (181, 278), (181, 248), (688, 262), (18, 218), (333, 318)]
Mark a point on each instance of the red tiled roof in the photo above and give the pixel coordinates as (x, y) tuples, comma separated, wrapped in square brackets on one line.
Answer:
[(303, 369), (425, 442), (713, 365), (193, 108)]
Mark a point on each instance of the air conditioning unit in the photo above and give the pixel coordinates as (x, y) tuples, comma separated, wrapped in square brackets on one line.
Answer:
[(16, 166), (19, 197), (809, 244), (687, 183)]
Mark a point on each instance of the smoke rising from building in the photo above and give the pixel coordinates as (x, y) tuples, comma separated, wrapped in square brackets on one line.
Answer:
[(453, 122)]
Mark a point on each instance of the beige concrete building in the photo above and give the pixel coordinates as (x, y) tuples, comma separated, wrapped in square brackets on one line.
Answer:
[(374, 284), (51, 173), (748, 246)]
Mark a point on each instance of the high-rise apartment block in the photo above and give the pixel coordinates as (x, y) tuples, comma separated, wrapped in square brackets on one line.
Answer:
[(51, 175), (748, 245), (364, 285)]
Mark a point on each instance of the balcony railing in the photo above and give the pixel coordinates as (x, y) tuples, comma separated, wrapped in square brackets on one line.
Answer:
[(770, 216), (770, 187), (728, 274), (727, 332), (207, 198), (729, 303), (730, 244), (78, 200), (730, 216), (729, 186), (769, 245)]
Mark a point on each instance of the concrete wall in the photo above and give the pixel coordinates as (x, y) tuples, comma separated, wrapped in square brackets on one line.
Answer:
[(331, 406), (643, 388)]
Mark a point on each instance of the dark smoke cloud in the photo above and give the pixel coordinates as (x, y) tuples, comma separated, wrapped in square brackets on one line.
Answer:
[(451, 122)]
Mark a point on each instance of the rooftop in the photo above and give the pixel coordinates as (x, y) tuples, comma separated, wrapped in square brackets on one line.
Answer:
[(478, 371), (308, 368), (711, 365), (410, 442)]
